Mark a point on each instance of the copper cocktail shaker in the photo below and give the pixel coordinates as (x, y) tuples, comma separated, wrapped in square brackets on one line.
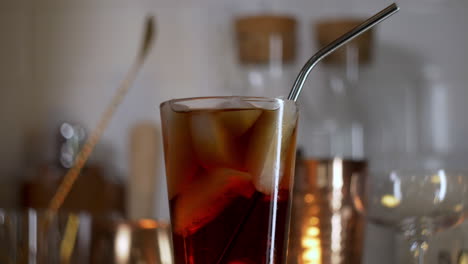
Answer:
[(325, 226)]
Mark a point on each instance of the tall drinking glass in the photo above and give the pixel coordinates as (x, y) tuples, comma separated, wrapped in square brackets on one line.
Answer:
[(229, 165)]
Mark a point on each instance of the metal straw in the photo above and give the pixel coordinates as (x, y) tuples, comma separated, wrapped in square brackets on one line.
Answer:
[(325, 51)]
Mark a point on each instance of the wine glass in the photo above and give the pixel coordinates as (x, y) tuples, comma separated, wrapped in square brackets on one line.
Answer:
[(415, 203)]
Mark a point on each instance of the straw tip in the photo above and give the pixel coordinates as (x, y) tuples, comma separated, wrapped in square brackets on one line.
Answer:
[(394, 6)]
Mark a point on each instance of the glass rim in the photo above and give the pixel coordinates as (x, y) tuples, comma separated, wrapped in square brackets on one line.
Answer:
[(243, 98)]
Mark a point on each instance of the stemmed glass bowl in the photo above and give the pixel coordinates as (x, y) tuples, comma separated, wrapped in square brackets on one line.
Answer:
[(415, 203)]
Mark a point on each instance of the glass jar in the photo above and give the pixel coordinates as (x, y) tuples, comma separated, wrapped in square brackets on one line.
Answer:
[(266, 50)]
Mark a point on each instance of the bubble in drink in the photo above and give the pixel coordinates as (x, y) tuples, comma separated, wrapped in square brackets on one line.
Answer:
[(230, 192)]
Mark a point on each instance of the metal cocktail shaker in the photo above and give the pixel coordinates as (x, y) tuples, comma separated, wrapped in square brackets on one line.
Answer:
[(325, 226)]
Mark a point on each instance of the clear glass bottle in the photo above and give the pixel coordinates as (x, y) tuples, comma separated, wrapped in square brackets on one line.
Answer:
[(337, 131)]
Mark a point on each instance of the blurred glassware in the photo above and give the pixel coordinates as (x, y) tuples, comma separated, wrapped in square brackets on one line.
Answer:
[(334, 128), (25, 237), (266, 49), (328, 228), (415, 203), (73, 137), (97, 191)]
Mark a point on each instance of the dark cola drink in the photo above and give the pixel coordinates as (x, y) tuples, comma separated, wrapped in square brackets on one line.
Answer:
[(229, 164)]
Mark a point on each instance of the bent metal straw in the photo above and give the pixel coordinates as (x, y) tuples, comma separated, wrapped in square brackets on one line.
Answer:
[(339, 42)]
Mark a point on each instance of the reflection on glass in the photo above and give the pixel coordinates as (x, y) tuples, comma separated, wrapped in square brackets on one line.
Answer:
[(312, 251), (122, 244), (331, 231)]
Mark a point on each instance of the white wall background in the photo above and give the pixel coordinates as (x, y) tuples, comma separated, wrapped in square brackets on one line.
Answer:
[(62, 60)]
